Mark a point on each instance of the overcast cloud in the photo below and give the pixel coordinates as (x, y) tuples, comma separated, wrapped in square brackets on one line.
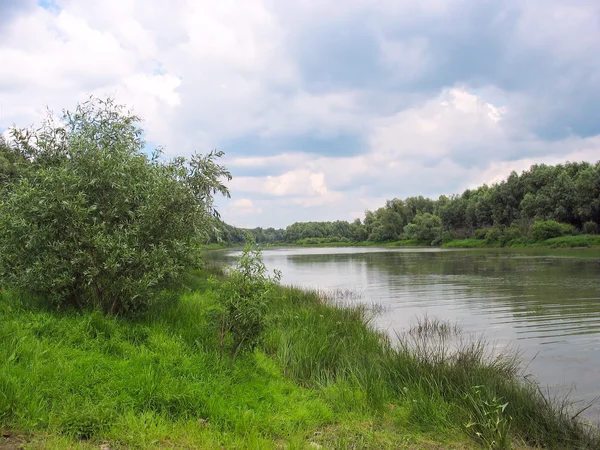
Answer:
[(324, 108)]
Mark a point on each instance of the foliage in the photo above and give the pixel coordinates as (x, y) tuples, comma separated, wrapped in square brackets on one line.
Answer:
[(580, 240), (465, 243), (493, 235), (425, 228), (567, 193), (244, 301), (590, 228), (548, 229), (480, 233), (11, 165), (487, 419), (447, 236), (512, 233), (94, 222)]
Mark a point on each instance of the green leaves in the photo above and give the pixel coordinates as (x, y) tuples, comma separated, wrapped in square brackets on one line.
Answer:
[(487, 419), (96, 223), (244, 300), (426, 228)]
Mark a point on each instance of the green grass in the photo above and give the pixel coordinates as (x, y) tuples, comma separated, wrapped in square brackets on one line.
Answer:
[(466, 243), (581, 240), (322, 376)]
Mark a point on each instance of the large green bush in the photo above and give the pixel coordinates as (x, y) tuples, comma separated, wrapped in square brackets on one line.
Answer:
[(548, 229), (93, 221)]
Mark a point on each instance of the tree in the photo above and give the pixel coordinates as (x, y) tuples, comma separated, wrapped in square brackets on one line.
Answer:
[(98, 223)]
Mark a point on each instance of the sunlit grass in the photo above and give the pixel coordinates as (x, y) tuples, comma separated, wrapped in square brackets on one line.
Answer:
[(323, 375)]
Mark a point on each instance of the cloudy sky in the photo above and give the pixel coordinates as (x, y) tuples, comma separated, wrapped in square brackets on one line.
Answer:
[(323, 108)]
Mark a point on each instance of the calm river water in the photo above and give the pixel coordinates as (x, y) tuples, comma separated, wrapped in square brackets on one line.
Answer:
[(545, 303)]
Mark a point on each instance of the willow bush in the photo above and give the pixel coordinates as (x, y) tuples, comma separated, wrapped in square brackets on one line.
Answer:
[(93, 221)]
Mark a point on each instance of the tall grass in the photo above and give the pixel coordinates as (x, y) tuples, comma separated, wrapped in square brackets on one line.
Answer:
[(445, 379), (323, 375)]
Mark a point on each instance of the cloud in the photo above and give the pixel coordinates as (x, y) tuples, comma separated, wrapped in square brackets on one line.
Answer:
[(243, 207), (323, 111), (451, 142)]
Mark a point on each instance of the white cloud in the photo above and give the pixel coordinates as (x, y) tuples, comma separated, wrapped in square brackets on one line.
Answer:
[(243, 207), (205, 73), (414, 152), (296, 182)]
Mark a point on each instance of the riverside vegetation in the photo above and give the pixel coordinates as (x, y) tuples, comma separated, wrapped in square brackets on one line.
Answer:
[(555, 206), (113, 334)]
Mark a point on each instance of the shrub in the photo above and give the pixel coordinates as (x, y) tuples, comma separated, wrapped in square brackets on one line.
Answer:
[(590, 228), (548, 229), (480, 233), (95, 222), (512, 233), (425, 228), (447, 236), (243, 301), (493, 235)]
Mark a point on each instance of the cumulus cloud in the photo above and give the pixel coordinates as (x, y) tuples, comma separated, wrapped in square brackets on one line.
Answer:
[(323, 111)]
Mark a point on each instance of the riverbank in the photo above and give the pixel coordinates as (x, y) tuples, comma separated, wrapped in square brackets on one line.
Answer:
[(321, 377), (577, 241), (322, 243)]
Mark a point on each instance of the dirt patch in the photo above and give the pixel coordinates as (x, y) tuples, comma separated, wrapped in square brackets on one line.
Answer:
[(11, 441)]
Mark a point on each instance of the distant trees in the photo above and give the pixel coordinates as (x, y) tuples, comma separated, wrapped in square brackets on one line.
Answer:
[(524, 206)]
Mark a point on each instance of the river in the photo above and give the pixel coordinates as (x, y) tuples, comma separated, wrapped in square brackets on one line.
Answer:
[(543, 303)]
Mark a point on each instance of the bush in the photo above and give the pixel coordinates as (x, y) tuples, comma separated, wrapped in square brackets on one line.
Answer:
[(93, 221), (480, 233), (447, 236), (243, 302), (510, 234), (590, 228), (425, 228), (548, 229), (493, 235)]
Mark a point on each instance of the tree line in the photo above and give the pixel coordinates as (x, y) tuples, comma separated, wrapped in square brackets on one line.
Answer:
[(542, 202)]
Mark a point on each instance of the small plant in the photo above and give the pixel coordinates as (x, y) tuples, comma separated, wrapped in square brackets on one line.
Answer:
[(487, 419), (244, 301)]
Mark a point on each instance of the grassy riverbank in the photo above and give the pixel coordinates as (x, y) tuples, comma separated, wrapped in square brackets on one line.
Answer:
[(578, 241), (322, 377)]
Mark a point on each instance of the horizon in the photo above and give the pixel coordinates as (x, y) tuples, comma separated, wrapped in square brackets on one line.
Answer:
[(322, 111)]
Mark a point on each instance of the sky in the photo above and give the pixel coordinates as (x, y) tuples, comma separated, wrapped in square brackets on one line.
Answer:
[(323, 108)]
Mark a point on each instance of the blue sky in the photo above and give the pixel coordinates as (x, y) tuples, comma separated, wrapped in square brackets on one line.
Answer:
[(324, 109)]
